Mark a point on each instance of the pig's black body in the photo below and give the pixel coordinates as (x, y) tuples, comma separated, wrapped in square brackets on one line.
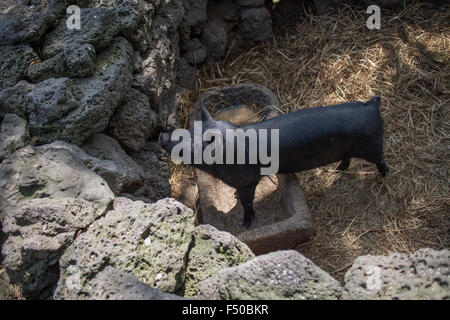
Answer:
[(314, 137), (308, 139)]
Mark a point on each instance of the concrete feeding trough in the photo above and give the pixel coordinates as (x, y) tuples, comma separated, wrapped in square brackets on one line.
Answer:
[(283, 219)]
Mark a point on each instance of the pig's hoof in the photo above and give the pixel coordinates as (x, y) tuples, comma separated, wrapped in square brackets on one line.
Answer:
[(383, 169)]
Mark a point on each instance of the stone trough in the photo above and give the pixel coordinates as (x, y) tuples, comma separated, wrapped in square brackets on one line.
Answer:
[(283, 219)]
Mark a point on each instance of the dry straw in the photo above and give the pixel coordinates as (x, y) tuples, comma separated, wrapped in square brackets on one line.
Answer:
[(332, 59)]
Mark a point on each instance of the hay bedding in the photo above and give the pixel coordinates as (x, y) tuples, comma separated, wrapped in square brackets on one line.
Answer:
[(333, 59)]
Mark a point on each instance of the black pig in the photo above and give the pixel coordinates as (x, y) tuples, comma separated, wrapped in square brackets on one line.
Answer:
[(308, 138)]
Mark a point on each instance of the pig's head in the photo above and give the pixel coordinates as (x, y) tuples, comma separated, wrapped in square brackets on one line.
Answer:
[(165, 138)]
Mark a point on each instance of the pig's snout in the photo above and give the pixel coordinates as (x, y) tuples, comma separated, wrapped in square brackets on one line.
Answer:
[(163, 139)]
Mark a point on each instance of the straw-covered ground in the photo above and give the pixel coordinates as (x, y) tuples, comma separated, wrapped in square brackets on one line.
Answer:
[(333, 59)]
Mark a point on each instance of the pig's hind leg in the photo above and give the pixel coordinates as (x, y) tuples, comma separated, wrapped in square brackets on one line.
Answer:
[(382, 168), (246, 195), (372, 151), (377, 159)]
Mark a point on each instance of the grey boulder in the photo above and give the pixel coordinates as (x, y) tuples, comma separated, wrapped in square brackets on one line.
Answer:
[(195, 13), (73, 109), (115, 284), (153, 161), (27, 21), (13, 135), (6, 288), (49, 101), (195, 51), (134, 121), (135, 22), (276, 275), (15, 99), (98, 27), (127, 176), (14, 61), (256, 24), (113, 73), (156, 78), (75, 61), (34, 172), (150, 241), (212, 250), (215, 39), (425, 274), (113, 165), (46, 196), (38, 232)]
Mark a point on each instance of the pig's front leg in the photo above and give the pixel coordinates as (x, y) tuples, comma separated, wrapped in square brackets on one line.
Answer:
[(246, 195)]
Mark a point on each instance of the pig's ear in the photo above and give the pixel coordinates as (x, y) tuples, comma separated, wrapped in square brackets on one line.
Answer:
[(205, 116)]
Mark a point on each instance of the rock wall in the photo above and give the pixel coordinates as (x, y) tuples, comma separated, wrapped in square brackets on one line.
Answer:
[(108, 87), (78, 110), (70, 84), (285, 275)]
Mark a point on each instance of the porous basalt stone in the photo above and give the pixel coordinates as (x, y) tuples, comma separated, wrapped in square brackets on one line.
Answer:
[(277, 275), (425, 274), (149, 241), (211, 251)]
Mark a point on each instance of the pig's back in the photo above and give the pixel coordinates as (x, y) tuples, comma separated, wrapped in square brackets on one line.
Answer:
[(317, 136)]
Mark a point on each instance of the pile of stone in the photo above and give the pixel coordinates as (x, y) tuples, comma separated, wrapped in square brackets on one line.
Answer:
[(205, 28)]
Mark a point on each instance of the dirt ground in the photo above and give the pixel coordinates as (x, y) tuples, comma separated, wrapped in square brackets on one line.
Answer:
[(333, 59)]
